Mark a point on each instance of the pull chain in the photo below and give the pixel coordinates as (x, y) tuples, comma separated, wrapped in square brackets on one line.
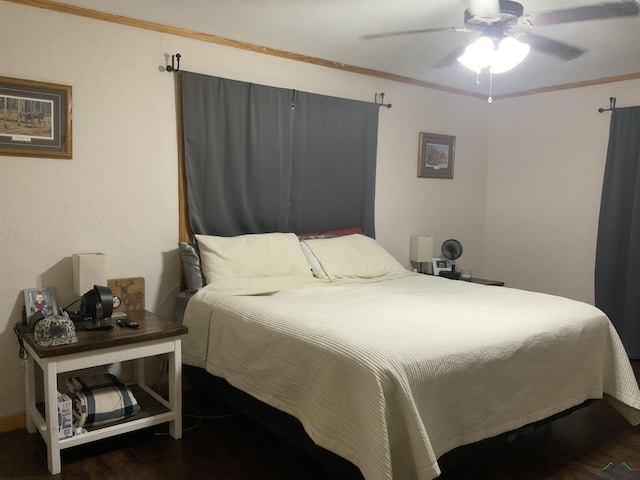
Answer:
[(490, 99)]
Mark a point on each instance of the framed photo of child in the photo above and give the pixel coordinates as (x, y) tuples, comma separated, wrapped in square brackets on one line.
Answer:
[(42, 300)]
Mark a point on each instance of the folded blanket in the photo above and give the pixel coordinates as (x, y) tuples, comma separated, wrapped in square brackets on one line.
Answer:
[(100, 399)]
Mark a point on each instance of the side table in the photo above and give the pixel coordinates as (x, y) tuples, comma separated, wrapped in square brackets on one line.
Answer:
[(484, 281), (155, 336)]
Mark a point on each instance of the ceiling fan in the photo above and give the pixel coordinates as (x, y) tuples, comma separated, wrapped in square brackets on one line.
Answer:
[(502, 19)]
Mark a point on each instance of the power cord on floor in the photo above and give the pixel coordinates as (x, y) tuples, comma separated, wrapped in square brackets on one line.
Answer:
[(200, 418)]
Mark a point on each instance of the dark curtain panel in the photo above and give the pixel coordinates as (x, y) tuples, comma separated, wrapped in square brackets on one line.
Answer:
[(265, 159), (237, 148), (617, 274), (334, 150)]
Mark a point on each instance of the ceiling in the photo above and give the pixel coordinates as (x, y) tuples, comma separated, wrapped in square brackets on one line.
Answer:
[(332, 30)]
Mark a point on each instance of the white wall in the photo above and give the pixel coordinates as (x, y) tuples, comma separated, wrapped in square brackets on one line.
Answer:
[(118, 194), (547, 156)]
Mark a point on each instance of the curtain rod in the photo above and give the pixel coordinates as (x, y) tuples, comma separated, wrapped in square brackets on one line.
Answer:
[(612, 106), (381, 102), (173, 68)]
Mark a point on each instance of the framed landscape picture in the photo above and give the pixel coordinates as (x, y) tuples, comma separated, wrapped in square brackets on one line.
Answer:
[(35, 119), (435, 155)]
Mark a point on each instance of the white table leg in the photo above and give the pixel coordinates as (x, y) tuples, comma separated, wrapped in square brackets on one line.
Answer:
[(175, 389), (140, 373), (30, 393), (51, 413)]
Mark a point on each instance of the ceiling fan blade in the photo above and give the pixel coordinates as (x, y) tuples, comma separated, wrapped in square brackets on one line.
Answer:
[(599, 11), (562, 50), (412, 32), (451, 57)]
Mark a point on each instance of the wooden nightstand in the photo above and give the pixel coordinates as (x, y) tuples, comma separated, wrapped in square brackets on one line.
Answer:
[(155, 336), (484, 281)]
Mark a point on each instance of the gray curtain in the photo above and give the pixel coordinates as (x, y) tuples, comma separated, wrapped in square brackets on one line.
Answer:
[(617, 273), (334, 169), (265, 159), (237, 152)]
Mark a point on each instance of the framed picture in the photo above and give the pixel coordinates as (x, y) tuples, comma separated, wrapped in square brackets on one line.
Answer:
[(35, 119), (435, 155), (440, 264), (40, 299), (130, 291)]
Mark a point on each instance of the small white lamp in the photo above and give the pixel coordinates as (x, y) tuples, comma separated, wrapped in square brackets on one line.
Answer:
[(421, 249), (89, 269)]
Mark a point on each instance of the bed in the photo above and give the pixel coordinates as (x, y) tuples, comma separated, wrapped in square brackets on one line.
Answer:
[(388, 368)]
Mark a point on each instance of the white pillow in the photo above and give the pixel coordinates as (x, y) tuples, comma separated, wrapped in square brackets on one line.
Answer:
[(314, 263), (353, 256), (250, 256)]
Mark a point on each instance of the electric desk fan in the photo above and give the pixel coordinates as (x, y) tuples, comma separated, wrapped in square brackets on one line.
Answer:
[(451, 250)]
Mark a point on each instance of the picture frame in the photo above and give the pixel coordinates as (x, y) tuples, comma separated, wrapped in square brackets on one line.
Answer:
[(440, 264), (35, 119), (130, 291), (42, 299), (436, 154)]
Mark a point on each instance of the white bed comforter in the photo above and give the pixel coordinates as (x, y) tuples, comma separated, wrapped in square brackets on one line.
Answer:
[(391, 374)]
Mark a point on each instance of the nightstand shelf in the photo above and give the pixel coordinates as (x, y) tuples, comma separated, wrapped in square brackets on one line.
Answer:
[(155, 336), (152, 412)]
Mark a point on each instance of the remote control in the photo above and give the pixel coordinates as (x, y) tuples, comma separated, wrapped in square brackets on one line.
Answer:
[(125, 322)]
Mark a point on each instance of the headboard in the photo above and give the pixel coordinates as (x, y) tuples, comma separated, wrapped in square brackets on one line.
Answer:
[(184, 229)]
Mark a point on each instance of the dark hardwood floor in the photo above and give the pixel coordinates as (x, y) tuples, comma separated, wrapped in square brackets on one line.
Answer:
[(235, 448)]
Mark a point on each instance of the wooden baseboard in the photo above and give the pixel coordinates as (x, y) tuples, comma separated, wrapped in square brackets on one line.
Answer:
[(13, 422)]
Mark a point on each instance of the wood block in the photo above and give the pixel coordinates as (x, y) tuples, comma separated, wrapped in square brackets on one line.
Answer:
[(130, 291)]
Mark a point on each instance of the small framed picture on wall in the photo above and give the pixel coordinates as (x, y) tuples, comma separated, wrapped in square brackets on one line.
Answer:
[(435, 155)]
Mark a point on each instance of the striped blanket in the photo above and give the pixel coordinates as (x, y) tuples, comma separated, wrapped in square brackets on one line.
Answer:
[(100, 399)]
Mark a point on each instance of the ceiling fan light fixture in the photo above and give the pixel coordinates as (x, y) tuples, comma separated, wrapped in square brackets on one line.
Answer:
[(483, 53), (509, 54), (478, 55)]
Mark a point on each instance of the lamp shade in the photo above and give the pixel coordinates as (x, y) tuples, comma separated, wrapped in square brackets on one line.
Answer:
[(483, 53), (478, 55), (89, 269), (421, 248), (509, 54)]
